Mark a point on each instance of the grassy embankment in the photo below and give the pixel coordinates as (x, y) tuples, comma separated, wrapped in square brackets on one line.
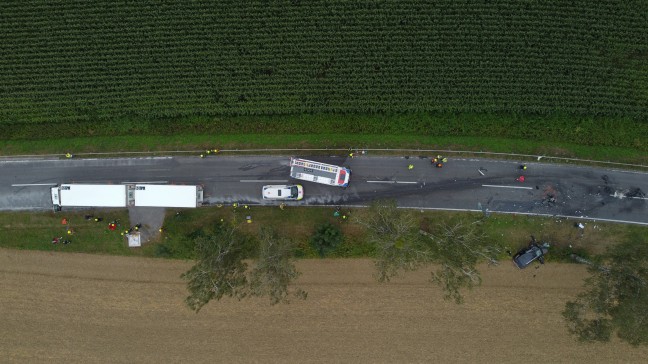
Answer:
[(36, 230), (621, 141)]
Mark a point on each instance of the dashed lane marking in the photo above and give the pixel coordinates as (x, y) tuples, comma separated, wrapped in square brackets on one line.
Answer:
[(33, 184), (394, 182), (517, 187), (265, 180)]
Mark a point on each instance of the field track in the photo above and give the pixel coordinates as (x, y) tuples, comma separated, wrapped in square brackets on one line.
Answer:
[(89, 308)]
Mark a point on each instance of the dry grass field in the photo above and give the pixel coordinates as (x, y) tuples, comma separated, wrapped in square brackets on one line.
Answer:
[(57, 307)]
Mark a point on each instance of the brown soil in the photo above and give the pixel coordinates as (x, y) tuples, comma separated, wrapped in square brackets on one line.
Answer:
[(59, 307)]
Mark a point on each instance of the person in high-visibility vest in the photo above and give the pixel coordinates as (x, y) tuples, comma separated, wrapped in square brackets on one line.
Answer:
[(411, 166), (68, 155)]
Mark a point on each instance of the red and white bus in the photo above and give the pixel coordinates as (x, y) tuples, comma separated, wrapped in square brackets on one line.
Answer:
[(317, 172)]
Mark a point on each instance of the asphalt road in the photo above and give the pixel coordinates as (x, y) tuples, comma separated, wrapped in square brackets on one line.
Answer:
[(577, 191)]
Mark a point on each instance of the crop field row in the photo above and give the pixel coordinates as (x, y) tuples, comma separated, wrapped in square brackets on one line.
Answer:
[(101, 60)]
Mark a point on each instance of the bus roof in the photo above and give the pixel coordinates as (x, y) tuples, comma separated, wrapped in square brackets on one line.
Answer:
[(319, 172)]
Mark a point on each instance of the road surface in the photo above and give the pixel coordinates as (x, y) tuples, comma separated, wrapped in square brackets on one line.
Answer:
[(463, 183)]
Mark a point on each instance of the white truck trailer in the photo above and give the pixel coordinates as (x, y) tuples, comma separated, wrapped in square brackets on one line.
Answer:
[(97, 195), (168, 196)]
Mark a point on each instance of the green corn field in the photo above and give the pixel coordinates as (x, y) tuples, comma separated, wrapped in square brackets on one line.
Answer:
[(78, 61)]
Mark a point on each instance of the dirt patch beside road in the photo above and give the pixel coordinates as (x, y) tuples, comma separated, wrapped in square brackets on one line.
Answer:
[(59, 307)]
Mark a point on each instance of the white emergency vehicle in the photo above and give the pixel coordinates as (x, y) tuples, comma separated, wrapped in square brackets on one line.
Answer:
[(312, 171)]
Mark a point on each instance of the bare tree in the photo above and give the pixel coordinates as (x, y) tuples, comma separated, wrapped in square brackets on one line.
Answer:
[(275, 268)]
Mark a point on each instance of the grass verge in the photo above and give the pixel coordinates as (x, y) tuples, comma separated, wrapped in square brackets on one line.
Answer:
[(36, 230), (620, 140)]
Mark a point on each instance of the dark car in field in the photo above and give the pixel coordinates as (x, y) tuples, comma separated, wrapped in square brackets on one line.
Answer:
[(528, 255)]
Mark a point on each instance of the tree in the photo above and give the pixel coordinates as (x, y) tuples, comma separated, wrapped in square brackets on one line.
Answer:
[(402, 246), (458, 247), (616, 296), (219, 270), (393, 231), (326, 238), (275, 268)]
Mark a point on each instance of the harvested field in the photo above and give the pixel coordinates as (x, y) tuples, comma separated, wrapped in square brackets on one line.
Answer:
[(58, 307)]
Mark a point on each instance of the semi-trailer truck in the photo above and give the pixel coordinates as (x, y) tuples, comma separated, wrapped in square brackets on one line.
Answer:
[(133, 195)]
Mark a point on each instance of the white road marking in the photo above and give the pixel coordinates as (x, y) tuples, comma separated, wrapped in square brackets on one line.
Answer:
[(393, 182), (265, 180), (144, 182), (518, 187), (33, 184), (622, 197)]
